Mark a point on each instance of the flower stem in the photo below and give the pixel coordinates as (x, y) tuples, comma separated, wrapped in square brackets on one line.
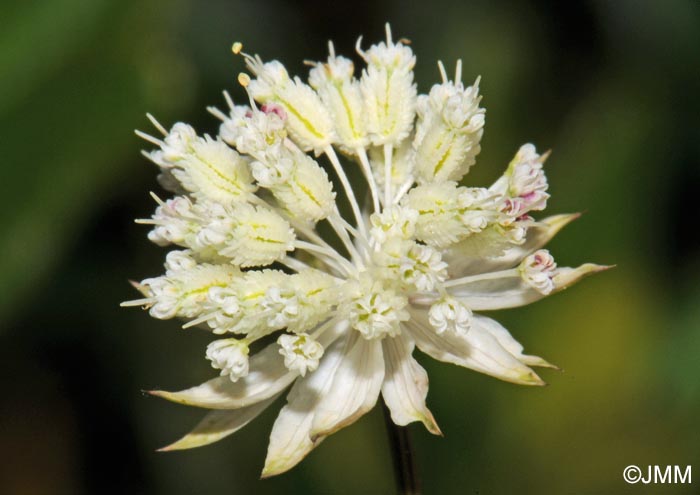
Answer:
[(402, 454)]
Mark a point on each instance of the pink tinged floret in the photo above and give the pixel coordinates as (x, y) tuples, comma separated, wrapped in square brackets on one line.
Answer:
[(268, 108)]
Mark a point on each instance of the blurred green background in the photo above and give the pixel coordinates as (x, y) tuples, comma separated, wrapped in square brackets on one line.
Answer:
[(611, 86)]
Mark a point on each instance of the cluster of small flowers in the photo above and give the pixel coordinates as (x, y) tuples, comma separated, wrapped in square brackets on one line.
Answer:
[(348, 311)]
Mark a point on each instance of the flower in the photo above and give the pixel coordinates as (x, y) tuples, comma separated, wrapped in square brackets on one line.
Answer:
[(345, 311)]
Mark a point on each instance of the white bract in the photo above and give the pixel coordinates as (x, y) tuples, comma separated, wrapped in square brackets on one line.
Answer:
[(337, 316)]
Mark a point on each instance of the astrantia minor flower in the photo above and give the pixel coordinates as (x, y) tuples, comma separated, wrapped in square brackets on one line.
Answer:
[(413, 269)]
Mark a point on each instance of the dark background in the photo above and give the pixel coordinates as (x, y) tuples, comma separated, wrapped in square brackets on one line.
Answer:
[(611, 86)]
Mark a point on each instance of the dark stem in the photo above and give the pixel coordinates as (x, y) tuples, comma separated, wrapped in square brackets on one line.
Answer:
[(402, 455)]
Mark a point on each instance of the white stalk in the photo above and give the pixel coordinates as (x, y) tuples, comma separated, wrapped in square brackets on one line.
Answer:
[(388, 152), (314, 237), (330, 153), (403, 190), (359, 238), (342, 232), (369, 176), (294, 264), (513, 272), (328, 256)]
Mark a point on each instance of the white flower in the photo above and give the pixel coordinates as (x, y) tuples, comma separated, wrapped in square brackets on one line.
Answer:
[(230, 356), (374, 310), (394, 221), (538, 270), (449, 128), (205, 167), (308, 120), (524, 185), (341, 94), (301, 352), (388, 91), (414, 269), (448, 314), (448, 213)]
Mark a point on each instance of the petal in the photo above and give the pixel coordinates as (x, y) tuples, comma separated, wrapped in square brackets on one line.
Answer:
[(506, 340), (290, 440), (511, 291), (405, 385), (462, 264), (219, 424), (477, 350), (355, 387), (267, 377)]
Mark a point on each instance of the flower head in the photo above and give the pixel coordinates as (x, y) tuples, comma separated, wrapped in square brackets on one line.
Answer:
[(345, 310), (230, 356)]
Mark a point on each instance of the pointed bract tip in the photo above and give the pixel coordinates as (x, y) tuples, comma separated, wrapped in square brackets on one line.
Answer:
[(552, 367), (171, 447), (555, 223), (533, 379), (568, 276), (273, 470), (432, 426), (539, 362), (603, 268)]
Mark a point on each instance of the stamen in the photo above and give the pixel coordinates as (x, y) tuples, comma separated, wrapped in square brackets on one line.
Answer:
[(149, 138), (157, 124), (229, 100), (199, 320), (137, 302), (147, 221), (443, 73), (217, 113), (359, 50), (243, 79), (156, 198)]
